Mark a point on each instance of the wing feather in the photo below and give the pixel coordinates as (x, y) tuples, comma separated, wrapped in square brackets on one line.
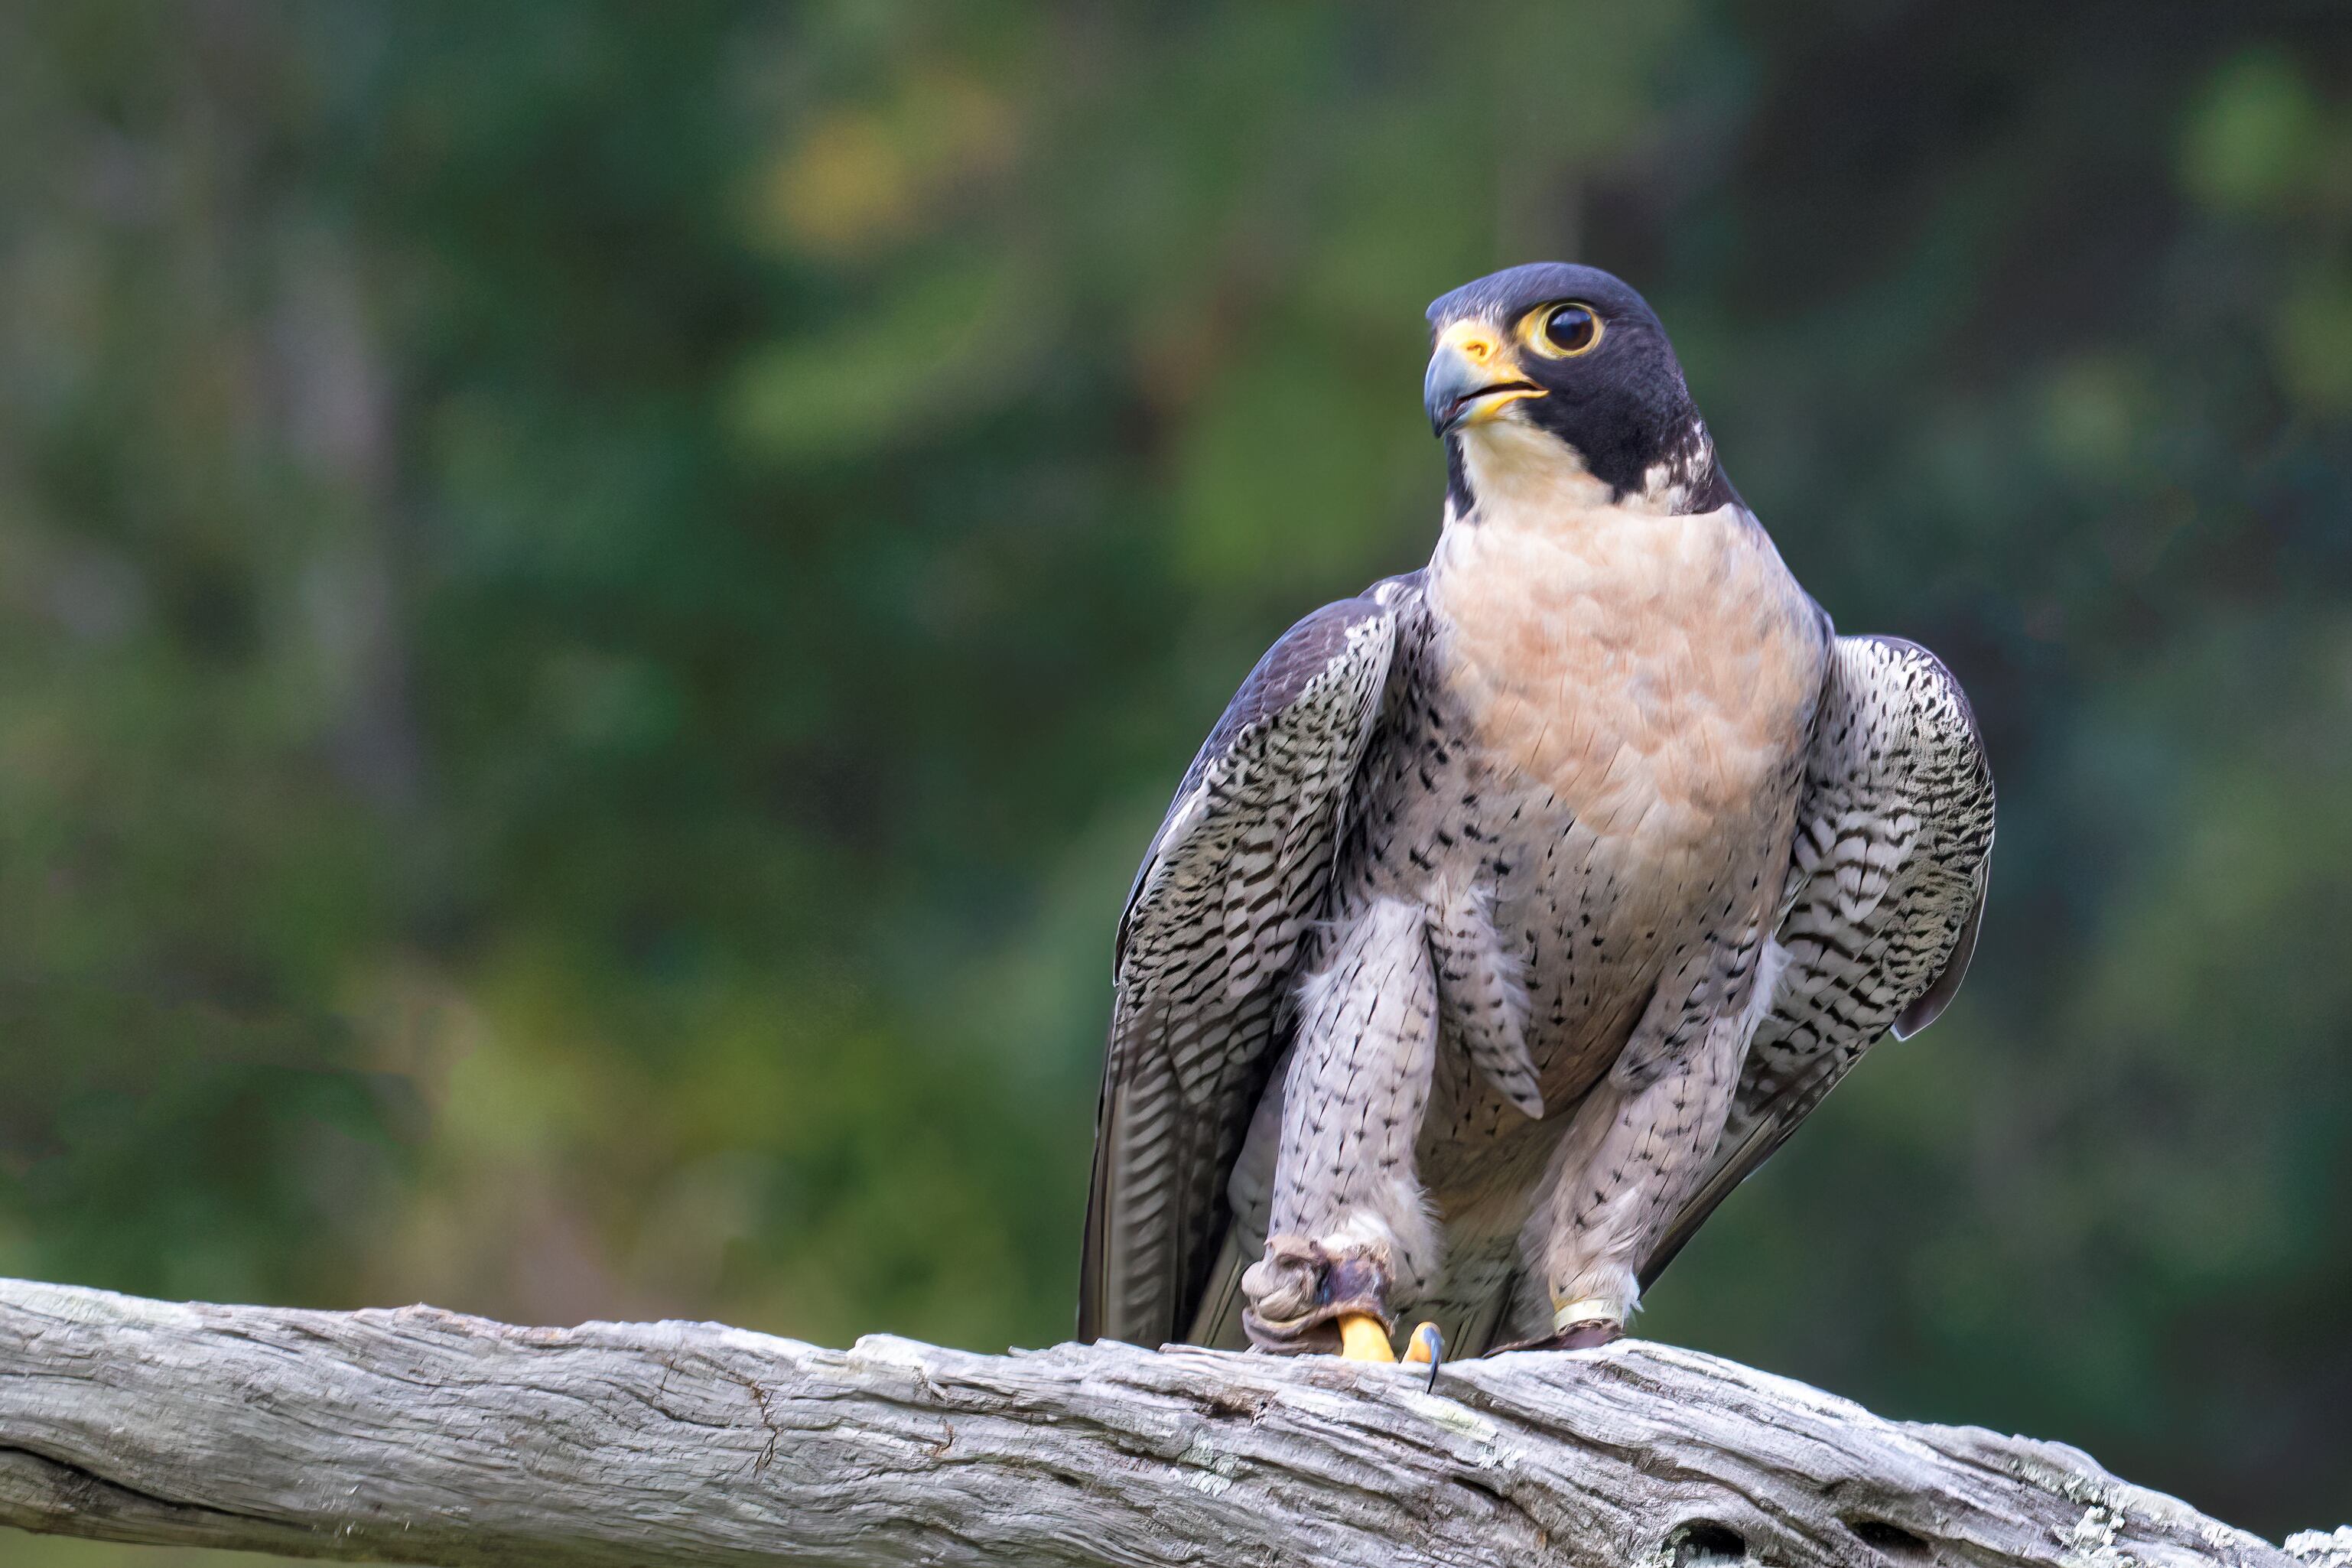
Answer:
[(1206, 959), (1885, 891)]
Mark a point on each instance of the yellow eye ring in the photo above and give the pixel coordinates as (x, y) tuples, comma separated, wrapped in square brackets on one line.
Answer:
[(1562, 331)]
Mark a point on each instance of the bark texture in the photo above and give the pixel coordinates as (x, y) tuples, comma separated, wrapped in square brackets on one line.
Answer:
[(418, 1435)]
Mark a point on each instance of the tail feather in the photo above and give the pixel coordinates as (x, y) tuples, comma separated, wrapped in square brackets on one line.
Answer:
[(1218, 1323)]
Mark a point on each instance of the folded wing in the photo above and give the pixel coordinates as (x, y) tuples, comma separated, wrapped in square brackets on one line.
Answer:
[(1886, 888), (1207, 959)]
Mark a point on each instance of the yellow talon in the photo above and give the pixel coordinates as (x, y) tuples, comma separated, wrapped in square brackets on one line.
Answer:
[(1364, 1338), (1426, 1346)]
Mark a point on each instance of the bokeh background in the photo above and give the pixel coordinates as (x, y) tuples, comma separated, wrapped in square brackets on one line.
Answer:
[(596, 602)]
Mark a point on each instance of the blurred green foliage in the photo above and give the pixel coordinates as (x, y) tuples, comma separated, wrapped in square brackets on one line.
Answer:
[(597, 601)]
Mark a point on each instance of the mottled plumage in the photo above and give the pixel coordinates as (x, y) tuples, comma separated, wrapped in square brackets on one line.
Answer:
[(1518, 908)]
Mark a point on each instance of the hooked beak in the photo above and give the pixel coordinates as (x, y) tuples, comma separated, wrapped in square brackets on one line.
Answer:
[(1472, 378)]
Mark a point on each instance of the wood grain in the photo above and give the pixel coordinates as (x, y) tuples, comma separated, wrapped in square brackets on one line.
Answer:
[(419, 1435)]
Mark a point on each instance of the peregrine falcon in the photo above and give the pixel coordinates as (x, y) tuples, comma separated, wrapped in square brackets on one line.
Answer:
[(1518, 907)]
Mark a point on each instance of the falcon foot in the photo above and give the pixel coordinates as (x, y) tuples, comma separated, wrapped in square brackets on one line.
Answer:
[(1585, 1335), (1305, 1299)]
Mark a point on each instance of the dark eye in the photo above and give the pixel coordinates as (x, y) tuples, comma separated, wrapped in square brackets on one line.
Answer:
[(1570, 329)]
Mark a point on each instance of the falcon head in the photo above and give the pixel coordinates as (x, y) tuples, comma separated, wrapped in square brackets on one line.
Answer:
[(1559, 377)]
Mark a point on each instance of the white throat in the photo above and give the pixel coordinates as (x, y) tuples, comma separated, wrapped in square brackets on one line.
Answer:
[(1516, 470)]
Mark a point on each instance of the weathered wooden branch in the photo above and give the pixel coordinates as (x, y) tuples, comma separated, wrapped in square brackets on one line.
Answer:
[(418, 1435)]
